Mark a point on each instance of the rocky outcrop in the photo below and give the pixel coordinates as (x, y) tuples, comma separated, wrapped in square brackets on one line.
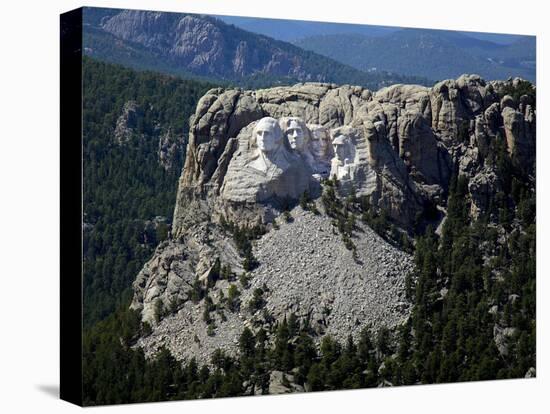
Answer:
[(165, 280), (482, 187), (519, 130), (132, 123), (252, 154), (503, 337), (194, 42), (166, 277), (127, 122), (221, 115), (281, 383), (170, 149), (454, 103)]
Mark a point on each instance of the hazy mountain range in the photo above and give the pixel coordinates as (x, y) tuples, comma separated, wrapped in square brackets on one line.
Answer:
[(434, 54), (254, 52), (430, 53), (204, 46), (293, 30)]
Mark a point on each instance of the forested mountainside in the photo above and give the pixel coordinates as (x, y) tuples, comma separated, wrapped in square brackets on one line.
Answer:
[(135, 127), (201, 46), (471, 293)]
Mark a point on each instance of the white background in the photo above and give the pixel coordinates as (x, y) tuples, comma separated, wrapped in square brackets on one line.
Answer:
[(29, 206)]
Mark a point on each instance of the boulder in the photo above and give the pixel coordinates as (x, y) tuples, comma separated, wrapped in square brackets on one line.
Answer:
[(127, 122), (519, 131), (281, 383), (502, 337)]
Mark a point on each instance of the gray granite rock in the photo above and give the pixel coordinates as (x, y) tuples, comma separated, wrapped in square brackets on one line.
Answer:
[(307, 270), (170, 148), (127, 122), (397, 146)]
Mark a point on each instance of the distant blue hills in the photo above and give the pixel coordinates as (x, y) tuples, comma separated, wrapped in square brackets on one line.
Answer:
[(433, 54), (293, 30)]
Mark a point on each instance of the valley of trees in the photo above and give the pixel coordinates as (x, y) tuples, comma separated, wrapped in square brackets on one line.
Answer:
[(473, 283)]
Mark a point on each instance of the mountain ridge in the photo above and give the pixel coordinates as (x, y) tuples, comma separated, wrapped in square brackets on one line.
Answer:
[(431, 53), (205, 46), (294, 30)]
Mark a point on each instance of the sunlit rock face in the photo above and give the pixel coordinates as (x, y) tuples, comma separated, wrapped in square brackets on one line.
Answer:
[(264, 167), (343, 164), (321, 149), (402, 144)]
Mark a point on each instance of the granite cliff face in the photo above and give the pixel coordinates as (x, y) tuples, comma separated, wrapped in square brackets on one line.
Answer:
[(252, 154), (200, 44), (193, 42), (408, 139)]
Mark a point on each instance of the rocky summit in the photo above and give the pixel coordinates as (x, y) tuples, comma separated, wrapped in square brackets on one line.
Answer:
[(260, 229)]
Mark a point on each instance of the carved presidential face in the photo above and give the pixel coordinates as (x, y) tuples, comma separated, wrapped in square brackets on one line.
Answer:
[(268, 135), (340, 145), (295, 135), (319, 141)]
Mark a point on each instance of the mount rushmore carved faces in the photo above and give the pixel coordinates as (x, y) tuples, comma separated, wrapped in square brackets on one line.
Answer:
[(283, 158), (320, 142), (294, 131), (267, 134), (321, 149), (271, 151), (299, 139), (264, 167)]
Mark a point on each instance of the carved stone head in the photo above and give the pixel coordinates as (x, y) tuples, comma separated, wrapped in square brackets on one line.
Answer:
[(267, 135), (320, 142), (295, 131), (342, 150), (268, 147)]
